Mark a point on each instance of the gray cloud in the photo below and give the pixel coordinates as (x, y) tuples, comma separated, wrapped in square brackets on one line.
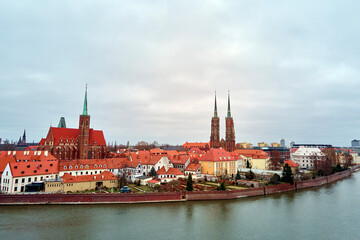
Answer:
[(152, 68)]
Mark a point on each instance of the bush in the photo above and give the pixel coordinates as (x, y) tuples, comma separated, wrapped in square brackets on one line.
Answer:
[(275, 179), (250, 175)]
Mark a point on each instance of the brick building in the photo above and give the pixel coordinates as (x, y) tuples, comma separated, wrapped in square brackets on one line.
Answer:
[(75, 143)]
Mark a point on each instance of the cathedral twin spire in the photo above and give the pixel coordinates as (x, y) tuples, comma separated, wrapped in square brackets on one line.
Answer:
[(229, 142), (228, 109)]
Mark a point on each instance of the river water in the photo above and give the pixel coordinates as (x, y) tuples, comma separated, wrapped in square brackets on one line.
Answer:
[(329, 212)]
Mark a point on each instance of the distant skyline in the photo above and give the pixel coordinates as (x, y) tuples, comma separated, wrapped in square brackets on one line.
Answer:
[(152, 69)]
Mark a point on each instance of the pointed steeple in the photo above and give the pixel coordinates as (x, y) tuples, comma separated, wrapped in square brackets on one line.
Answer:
[(85, 109), (215, 107), (228, 110)]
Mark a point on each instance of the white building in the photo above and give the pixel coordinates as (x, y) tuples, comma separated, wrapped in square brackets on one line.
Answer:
[(305, 157), (19, 174)]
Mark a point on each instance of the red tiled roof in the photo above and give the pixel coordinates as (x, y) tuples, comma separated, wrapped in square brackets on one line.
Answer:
[(196, 145), (157, 151), (253, 153), (27, 156), (19, 169), (291, 163), (116, 163), (154, 181), (217, 155), (174, 171), (180, 159), (106, 175), (96, 137), (4, 160), (193, 167), (161, 171), (77, 163)]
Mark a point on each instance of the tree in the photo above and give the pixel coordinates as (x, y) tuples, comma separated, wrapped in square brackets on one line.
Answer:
[(122, 180), (275, 158), (237, 177), (153, 172), (275, 179), (142, 145), (247, 164), (348, 160), (287, 175), (222, 186), (250, 175), (189, 183)]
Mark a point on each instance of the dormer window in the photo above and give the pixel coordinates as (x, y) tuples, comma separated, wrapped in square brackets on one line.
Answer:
[(70, 167), (76, 167), (86, 166), (104, 165), (81, 166), (46, 170), (95, 165), (15, 167), (64, 167), (51, 165), (22, 172), (100, 165), (28, 166)]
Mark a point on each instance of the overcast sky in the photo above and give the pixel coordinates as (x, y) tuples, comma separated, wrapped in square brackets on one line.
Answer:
[(292, 68)]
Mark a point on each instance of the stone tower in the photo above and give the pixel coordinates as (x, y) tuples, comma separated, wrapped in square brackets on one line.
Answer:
[(215, 129), (230, 131), (84, 127)]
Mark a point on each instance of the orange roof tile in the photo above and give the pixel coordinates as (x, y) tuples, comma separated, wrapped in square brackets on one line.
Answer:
[(106, 175), (82, 164), (19, 169), (253, 153), (193, 167), (216, 155), (291, 163)]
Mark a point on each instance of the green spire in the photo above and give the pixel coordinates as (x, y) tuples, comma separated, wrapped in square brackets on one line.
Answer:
[(215, 108), (228, 110), (85, 110)]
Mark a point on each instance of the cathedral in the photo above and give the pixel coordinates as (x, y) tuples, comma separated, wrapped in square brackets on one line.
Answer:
[(75, 143), (229, 143)]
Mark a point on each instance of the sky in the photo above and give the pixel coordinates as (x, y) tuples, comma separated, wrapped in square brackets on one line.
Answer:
[(152, 67)]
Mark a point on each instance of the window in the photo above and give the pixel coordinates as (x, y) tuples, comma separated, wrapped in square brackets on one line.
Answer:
[(95, 172), (64, 167), (86, 166), (104, 165), (29, 179), (70, 167), (15, 189), (209, 164), (95, 165), (23, 180), (81, 166), (100, 165), (35, 179), (76, 167), (16, 181)]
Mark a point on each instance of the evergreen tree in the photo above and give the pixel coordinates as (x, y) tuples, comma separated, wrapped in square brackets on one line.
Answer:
[(189, 184), (287, 175), (237, 177), (222, 186), (153, 172)]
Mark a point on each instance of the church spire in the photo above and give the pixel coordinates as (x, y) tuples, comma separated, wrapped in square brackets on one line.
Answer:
[(85, 109), (215, 107), (228, 110)]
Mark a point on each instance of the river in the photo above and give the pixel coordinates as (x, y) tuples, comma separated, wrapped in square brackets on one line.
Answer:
[(329, 212)]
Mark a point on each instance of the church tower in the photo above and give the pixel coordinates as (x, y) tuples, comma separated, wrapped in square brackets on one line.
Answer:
[(84, 127), (215, 129), (230, 131)]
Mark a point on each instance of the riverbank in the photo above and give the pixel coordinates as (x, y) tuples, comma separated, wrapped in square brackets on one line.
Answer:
[(117, 198)]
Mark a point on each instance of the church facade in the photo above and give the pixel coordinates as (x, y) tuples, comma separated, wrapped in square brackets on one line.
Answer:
[(75, 143), (229, 142)]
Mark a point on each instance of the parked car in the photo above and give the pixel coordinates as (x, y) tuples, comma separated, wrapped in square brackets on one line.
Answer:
[(125, 189)]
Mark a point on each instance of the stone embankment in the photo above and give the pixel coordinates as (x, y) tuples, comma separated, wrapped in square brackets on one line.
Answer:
[(21, 199)]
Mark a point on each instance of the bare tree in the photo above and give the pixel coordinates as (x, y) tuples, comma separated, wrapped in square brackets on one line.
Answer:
[(142, 145), (274, 162)]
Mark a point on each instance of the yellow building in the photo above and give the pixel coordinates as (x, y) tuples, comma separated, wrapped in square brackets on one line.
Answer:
[(218, 162), (71, 183), (245, 145), (275, 144), (262, 144), (258, 159)]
